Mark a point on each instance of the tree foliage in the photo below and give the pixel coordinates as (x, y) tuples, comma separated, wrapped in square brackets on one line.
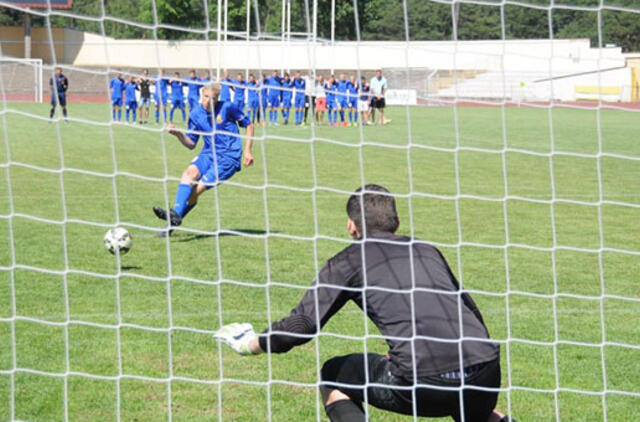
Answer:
[(613, 22)]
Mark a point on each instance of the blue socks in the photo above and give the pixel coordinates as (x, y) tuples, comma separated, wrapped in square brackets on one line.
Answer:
[(341, 115), (157, 116), (182, 196), (119, 114)]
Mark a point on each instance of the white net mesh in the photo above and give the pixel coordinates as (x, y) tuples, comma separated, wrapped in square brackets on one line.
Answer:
[(517, 158)]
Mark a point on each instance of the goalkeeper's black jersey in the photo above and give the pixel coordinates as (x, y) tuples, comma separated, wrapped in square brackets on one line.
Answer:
[(417, 311)]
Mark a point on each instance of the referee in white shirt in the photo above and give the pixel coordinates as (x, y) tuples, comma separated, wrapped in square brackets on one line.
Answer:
[(379, 88)]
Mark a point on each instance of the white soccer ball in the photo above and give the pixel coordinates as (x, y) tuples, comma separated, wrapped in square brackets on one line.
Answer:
[(118, 239)]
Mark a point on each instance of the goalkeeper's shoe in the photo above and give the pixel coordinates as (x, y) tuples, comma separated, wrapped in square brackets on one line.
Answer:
[(507, 418), (173, 219), (237, 336)]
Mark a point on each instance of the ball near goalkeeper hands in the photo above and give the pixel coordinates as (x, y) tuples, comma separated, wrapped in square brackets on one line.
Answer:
[(237, 336)]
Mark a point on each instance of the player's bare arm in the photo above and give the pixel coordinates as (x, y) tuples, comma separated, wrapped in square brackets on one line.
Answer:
[(184, 140)]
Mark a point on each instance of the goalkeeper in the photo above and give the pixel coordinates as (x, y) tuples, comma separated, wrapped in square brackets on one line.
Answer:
[(407, 289), (221, 155)]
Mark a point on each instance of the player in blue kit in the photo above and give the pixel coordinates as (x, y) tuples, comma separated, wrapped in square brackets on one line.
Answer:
[(264, 101), (341, 98), (330, 92), (287, 94), (253, 89), (161, 96), (273, 83), (177, 96), (117, 88), (299, 99), (352, 99), (131, 104), (226, 85), (59, 85), (221, 155), (239, 86), (194, 84)]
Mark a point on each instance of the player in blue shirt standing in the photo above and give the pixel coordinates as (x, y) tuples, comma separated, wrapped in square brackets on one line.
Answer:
[(287, 94), (194, 84), (131, 104), (330, 91), (264, 100), (161, 96), (239, 87), (273, 83), (253, 89), (341, 97), (299, 97), (177, 96), (226, 85), (59, 85), (352, 99), (221, 155), (117, 88)]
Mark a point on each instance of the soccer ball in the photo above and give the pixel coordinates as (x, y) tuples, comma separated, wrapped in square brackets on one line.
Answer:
[(119, 240)]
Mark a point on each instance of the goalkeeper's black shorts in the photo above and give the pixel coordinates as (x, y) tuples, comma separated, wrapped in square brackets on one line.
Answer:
[(430, 402)]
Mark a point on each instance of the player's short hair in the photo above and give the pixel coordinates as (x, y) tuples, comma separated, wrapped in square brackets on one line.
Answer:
[(379, 209), (214, 88)]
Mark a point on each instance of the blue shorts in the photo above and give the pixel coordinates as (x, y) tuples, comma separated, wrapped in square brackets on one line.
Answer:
[(239, 103), (62, 99), (331, 103), (342, 102), (274, 101), (212, 173), (193, 102), (254, 103), (353, 102), (300, 101), (132, 105), (177, 103), (145, 102), (116, 102)]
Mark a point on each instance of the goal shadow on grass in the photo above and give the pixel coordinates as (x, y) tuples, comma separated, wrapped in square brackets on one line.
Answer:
[(224, 233)]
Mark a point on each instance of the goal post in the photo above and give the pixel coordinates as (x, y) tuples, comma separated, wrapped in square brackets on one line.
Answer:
[(22, 79)]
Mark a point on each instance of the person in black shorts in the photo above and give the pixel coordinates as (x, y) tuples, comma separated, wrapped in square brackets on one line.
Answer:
[(145, 96), (59, 84), (435, 333)]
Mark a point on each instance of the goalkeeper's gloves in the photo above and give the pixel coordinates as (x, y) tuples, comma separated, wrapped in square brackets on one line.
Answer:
[(237, 336)]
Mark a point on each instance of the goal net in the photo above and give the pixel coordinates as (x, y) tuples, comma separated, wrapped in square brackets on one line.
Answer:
[(509, 142)]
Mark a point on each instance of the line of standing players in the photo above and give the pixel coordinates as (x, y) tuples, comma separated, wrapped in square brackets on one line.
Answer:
[(266, 99)]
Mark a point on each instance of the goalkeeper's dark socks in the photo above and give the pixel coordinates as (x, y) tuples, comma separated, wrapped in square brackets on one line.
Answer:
[(52, 112), (344, 411), (64, 112)]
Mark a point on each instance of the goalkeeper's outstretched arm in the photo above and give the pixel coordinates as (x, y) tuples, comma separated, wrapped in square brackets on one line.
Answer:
[(323, 299)]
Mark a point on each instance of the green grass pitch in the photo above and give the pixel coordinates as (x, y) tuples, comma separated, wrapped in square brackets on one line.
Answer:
[(198, 279)]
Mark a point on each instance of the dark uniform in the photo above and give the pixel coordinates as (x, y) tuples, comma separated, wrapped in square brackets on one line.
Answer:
[(59, 94), (419, 314)]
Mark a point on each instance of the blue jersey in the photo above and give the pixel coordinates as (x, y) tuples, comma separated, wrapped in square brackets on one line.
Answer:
[(176, 91), (62, 83), (239, 87), (194, 87), (330, 91), (161, 88), (364, 92), (300, 86), (254, 93), (117, 86), (130, 91), (352, 89), (273, 84), (225, 87), (342, 89), (227, 117), (287, 93)]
